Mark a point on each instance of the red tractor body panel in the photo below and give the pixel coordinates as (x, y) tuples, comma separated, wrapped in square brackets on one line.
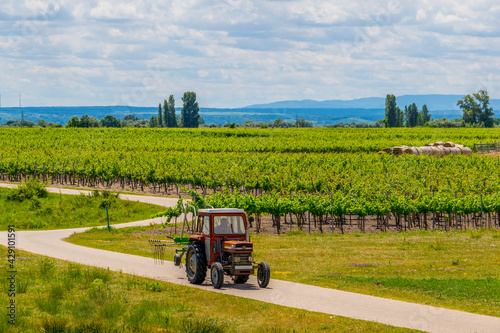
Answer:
[(225, 247)]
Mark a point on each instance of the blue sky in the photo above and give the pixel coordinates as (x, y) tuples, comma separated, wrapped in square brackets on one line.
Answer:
[(234, 53)]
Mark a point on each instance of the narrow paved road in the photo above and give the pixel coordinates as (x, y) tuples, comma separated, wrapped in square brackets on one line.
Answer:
[(403, 314)]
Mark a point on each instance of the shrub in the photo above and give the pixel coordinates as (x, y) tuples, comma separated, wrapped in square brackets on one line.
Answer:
[(105, 198), (32, 189)]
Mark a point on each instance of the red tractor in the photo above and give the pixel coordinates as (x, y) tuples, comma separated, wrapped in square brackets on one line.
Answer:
[(220, 242)]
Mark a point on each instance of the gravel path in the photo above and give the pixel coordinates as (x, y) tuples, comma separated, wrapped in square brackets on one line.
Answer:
[(396, 313)]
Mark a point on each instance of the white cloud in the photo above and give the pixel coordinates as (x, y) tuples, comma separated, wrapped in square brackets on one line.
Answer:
[(421, 15), (109, 10), (236, 52)]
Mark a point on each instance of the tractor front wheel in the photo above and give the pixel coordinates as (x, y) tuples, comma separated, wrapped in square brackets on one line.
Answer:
[(263, 274), (196, 263), (217, 275)]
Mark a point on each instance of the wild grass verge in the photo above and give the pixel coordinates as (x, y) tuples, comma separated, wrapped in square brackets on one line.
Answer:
[(30, 207)]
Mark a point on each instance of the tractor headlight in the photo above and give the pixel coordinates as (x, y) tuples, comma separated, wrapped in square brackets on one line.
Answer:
[(250, 259), (237, 259)]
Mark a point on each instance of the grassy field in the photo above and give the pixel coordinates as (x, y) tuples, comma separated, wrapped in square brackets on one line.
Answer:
[(32, 209), (457, 270), (56, 296)]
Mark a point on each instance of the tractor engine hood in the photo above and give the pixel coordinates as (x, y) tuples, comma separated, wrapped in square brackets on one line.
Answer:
[(237, 246)]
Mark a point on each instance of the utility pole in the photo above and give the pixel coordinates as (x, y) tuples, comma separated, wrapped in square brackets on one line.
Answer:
[(22, 118)]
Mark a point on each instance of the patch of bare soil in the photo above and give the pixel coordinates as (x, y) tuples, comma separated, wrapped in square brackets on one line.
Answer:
[(490, 153), (351, 224)]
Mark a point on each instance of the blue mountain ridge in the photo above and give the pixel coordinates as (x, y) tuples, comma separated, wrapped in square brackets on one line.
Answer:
[(433, 102)]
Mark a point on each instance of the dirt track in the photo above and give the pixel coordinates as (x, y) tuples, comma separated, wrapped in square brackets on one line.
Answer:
[(396, 313)]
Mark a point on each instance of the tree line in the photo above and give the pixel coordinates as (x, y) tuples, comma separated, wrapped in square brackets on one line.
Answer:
[(167, 117), (476, 113), (410, 117), (476, 109), (189, 118)]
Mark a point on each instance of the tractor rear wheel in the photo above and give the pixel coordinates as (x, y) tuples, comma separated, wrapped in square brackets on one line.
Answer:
[(240, 278), (217, 275), (196, 263), (263, 274)]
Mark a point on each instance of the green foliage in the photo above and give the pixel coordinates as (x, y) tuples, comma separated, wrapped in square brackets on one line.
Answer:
[(160, 116), (391, 112), (153, 122), (171, 212), (131, 120), (412, 115), (73, 122), (170, 118), (31, 190), (51, 211), (425, 115), (277, 162), (19, 123), (190, 110), (85, 121), (303, 123), (476, 109), (445, 123), (110, 121), (105, 198)]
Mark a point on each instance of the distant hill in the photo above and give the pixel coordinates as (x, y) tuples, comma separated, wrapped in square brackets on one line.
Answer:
[(319, 112), (210, 115), (433, 102)]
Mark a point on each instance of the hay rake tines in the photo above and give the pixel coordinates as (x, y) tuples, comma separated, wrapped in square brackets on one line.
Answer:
[(158, 250)]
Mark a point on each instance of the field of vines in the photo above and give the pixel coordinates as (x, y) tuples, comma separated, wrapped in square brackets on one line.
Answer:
[(327, 173)]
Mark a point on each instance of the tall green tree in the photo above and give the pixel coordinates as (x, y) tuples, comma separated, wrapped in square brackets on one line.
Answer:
[(485, 111), (412, 116), (171, 111), (391, 115), (400, 116), (153, 122), (476, 109), (190, 110), (424, 116), (165, 113), (169, 118), (160, 118), (406, 116)]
